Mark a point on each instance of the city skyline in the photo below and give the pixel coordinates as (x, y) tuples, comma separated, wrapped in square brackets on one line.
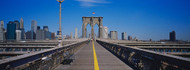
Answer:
[(142, 22)]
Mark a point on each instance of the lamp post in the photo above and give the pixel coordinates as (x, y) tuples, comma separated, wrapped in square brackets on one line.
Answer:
[(60, 32)]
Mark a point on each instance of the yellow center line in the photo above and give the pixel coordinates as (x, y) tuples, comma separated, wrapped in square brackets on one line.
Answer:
[(96, 67)]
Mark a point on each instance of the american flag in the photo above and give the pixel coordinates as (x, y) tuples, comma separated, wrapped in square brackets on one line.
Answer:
[(93, 13)]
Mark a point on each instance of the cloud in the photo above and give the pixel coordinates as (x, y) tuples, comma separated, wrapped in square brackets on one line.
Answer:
[(91, 3)]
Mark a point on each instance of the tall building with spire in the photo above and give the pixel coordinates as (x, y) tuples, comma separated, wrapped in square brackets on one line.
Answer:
[(2, 24), (21, 23), (1, 35), (23, 36), (2, 31)]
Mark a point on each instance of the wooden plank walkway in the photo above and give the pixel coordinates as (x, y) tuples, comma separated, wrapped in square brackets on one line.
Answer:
[(84, 60)]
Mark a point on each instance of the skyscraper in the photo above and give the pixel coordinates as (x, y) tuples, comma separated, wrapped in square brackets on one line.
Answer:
[(2, 24), (21, 23), (71, 35), (47, 33), (22, 29), (11, 31), (33, 28), (23, 36), (105, 32), (52, 36), (172, 36), (38, 27), (76, 33), (2, 33), (40, 34), (45, 28), (113, 35), (43, 34), (18, 35), (130, 38), (124, 36), (29, 35), (17, 24)]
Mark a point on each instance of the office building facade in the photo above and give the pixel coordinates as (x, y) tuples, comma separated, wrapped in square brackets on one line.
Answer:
[(71, 34), (114, 35), (38, 27), (2, 34), (124, 36), (130, 38), (105, 32), (172, 36), (18, 35), (11, 31), (17, 24), (76, 33), (47, 35), (2, 24), (23, 36), (2, 31), (52, 36), (21, 23), (29, 35), (33, 28), (45, 28), (40, 34)]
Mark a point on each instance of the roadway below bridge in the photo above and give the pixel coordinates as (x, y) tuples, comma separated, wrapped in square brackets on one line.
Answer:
[(94, 57)]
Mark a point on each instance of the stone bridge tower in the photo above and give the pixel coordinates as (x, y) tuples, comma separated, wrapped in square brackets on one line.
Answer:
[(92, 21)]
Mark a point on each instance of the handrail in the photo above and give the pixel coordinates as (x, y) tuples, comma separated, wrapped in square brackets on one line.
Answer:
[(14, 62), (142, 59)]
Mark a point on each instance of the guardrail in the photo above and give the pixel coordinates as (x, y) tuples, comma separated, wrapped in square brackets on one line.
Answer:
[(140, 59), (43, 60)]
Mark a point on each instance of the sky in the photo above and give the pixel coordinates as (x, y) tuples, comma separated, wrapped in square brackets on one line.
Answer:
[(144, 19)]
